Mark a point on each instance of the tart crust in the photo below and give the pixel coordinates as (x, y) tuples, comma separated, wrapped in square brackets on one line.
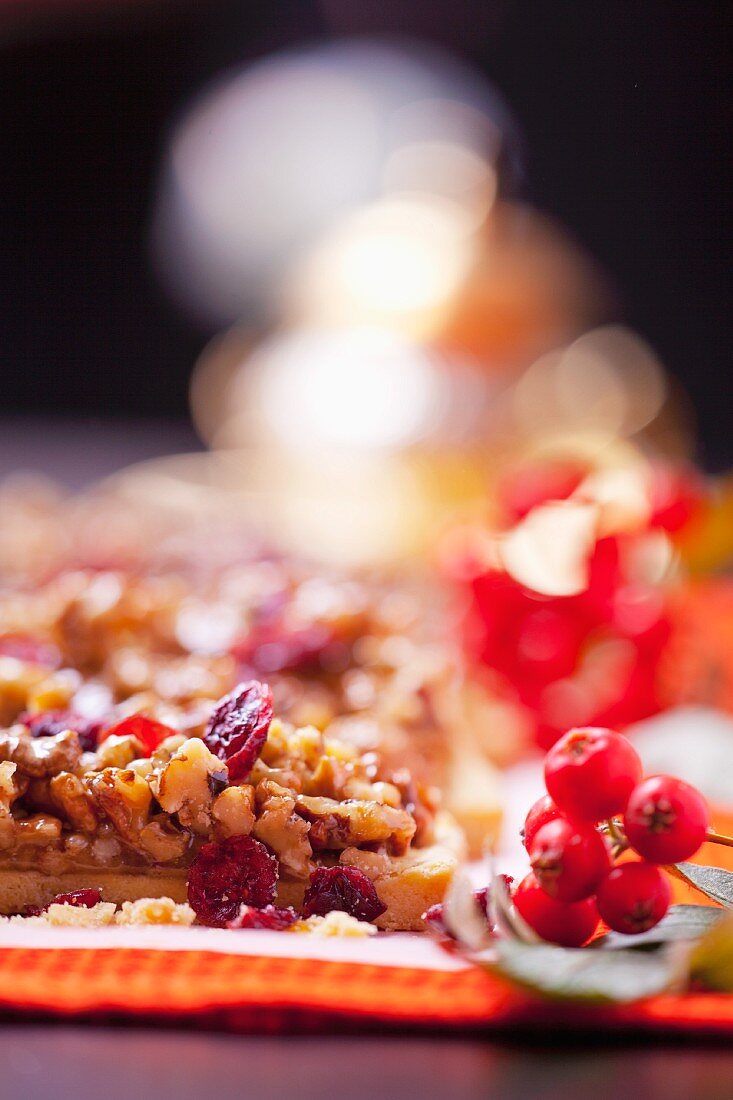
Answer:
[(20, 889), (408, 886)]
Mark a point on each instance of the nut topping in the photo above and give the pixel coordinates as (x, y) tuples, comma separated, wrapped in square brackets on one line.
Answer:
[(188, 784)]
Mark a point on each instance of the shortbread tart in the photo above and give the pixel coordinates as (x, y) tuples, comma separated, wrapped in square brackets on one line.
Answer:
[(252, 812)]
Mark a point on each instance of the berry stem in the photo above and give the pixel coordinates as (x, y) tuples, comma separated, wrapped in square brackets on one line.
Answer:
[(619, 844), (718, 838)]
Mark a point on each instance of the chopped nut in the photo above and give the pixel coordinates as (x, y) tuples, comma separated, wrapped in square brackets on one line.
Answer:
[(40, 756), (71, 798), (233, 812), (125, 798), (188, 784), (284, 777), (8, 794), (145, 768), (279, 826), (337, 825), (167, 747), (155, 911), (39, 829), (329, 778), (8, 788), (386, 793), (118, 752), (161, 840)]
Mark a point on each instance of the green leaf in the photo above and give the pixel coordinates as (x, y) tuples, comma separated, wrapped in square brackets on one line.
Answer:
[(682, 922), (711, 962), (594, 977), (713, 881)]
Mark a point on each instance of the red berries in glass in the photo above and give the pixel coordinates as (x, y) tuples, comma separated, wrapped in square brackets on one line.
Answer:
[(666, 819), (542, 811), (569, 924), (634, 897), (590, 773), (569, 859)]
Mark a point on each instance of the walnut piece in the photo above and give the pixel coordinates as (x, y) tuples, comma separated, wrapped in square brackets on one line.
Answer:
[(162, 841), (282, 829), (233, 812), (124, 797), (338, 825), (188, 784), (71, 798), (8, 788), (40, 756), (8, 794), (41, 829), (118, 752)]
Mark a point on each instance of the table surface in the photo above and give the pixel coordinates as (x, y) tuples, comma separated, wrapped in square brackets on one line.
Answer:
[(40, 1062)]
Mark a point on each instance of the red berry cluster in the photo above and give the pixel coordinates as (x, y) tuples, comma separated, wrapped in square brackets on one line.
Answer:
[(593, 657), (598, 804)]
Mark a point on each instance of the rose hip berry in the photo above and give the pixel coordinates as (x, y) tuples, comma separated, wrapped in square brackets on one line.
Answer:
[(270, 918), (544, 810), (50, 722), (666, 820), (80, 899), (237, 730), (569, 924), (634, 897), (148, 732), (590, 773), (230, 873), (569, 859), (343, 888)]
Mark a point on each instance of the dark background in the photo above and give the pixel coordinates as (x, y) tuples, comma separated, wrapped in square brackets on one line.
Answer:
[(625, 106)]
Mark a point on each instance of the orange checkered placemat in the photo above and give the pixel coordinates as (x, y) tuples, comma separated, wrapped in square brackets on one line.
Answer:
[(364, 988)]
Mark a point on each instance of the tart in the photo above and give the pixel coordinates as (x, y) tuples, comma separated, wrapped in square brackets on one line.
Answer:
[(250, 812)]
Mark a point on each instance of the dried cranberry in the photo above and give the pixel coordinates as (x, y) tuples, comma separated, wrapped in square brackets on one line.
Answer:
[(24, 647), (343, 888), (148, 732), (230, 873), (80, 899), (237, 729), (270, 917), (50, 722), (273, 647)]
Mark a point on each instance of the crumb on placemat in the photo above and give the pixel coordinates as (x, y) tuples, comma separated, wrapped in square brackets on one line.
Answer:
[(335, 923)]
